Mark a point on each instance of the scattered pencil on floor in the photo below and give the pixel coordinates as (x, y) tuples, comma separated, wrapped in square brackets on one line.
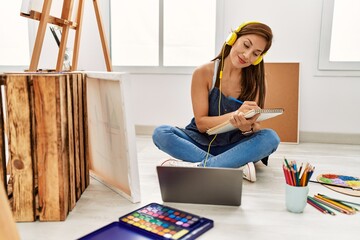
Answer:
[(295, 176), (319, 206), (334, 205), (324, 204), (342, 201)]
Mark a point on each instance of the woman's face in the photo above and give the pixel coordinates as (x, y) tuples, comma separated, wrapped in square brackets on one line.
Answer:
[(247, 49)]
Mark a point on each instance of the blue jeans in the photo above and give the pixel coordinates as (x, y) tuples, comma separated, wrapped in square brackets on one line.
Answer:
[(177, 144)]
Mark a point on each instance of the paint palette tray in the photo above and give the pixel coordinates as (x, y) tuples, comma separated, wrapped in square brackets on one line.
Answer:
[(154, 221)]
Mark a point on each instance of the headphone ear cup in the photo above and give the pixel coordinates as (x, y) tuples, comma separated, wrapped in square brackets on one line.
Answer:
[(258, 60), (231, 39)]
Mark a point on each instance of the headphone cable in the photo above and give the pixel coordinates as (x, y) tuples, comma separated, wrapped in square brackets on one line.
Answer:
[(220, 77)]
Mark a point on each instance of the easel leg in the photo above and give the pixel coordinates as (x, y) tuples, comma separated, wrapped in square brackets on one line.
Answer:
[(66, 15), (40, 36), (79, 18), (102, 37)]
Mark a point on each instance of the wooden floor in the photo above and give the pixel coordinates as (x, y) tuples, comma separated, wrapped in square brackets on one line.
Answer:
[(262, 214)]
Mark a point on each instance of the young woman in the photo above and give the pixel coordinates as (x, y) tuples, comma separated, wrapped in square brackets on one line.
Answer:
[(223, 89)]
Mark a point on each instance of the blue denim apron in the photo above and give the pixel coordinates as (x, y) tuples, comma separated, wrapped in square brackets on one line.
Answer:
[(226, 105)]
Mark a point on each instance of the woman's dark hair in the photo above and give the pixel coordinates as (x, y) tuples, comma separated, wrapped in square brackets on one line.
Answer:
[(253, 77)]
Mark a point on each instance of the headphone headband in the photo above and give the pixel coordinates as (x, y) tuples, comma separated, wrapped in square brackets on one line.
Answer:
[(231, 39)]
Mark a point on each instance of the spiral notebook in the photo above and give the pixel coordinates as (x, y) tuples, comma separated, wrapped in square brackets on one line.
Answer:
[(265, 113)]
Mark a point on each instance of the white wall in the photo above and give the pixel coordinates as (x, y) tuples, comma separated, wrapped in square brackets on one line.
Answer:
[(327, 104)]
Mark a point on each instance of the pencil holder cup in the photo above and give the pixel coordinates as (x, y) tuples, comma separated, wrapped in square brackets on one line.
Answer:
[(296, 198)]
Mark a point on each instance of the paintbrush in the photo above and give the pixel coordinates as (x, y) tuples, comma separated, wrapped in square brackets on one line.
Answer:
[(335, 185)]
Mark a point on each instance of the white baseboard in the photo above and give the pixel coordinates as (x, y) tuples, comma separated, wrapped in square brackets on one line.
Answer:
[(144, 130), (309, 137), (337, 138)]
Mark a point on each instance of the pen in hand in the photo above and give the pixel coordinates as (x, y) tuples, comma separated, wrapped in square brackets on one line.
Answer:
[(236, 100)]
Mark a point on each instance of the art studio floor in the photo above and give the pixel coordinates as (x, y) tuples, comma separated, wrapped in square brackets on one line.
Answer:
[(262, 214)]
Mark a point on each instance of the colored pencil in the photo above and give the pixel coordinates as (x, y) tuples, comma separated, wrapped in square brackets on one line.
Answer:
[(286, 175), (333, 206), (291, 177), (347, 205), (338, 200), (300, 168), (321, 206), (303, 177), (311, 171), (340, 205), (316, 206), (295, 176), (286, 162), (329, 204)]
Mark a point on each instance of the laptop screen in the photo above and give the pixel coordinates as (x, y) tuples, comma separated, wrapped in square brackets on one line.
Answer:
[(218, 186)]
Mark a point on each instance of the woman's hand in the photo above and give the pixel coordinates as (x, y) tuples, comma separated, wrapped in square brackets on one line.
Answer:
[(256, 126), (247, 106), (239, 121)]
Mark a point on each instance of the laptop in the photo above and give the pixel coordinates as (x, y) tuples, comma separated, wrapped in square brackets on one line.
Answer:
[(216, 186)]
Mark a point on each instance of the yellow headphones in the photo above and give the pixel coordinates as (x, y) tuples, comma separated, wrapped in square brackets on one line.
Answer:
[(231, 39)]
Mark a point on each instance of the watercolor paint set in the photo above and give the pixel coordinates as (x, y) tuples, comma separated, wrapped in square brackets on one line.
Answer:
[(154, 221)]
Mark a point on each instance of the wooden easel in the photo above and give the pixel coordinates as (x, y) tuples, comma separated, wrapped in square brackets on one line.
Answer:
[(66, 24)]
